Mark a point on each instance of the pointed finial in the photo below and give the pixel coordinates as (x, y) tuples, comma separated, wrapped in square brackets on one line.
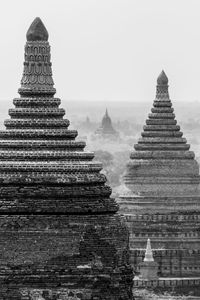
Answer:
[(37, 75), (148, 253), (162, 79), (106, 112), (37, 31)]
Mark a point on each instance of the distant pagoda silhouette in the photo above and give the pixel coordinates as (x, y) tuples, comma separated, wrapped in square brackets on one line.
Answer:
[(60, 231), (106, 129), (162, 201)]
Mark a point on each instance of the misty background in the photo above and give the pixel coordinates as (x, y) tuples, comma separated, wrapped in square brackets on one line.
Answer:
[(108, 54)]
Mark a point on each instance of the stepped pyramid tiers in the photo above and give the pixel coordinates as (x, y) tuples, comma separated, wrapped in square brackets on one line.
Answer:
[(60, 231), (106, 129), (162, 163), (162, 199)]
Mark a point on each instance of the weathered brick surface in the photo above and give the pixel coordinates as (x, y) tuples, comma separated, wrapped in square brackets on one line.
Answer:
[(66, 251)]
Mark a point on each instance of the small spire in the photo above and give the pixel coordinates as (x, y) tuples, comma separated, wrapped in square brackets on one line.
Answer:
[(37, 31), (148, 253), (106, 112), (162, 79)]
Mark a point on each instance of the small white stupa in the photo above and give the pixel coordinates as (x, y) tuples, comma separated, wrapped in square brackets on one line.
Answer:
[(148, 252), (148, 268)]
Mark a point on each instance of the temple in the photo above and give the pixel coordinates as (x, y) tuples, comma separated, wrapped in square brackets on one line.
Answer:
[(106, 129), (161, 200), (61, 235)]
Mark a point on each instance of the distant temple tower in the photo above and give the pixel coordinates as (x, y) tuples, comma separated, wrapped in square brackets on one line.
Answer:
[(106, 129), (61, 235), (162, 200)]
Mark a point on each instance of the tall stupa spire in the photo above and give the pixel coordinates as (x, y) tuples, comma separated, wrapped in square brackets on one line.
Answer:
[(56, 212), (37, 74)]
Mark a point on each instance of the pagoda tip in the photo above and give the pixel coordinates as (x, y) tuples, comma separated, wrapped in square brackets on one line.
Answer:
[(162, 79), (37, 31)]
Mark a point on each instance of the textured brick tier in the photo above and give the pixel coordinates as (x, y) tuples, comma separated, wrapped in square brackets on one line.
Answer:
[(37, 102), (10, 155), (57, 199), (42, 144), (162, 110), (163, 127), (163, 155), (160, 147), (36, 123), (53, 166), (144, 204), (162, 133), (47, 178), (37, 112), (162, 140), (38, 133), (163, 121), (162, 115)]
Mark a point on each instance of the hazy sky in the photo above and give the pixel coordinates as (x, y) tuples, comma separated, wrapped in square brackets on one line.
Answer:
[(107, 49)]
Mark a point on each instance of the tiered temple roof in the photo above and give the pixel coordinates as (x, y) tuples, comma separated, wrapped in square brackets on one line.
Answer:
[(59, 228), (162, 201)]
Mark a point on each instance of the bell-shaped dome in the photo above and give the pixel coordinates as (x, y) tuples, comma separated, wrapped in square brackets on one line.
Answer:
[(162, 79)]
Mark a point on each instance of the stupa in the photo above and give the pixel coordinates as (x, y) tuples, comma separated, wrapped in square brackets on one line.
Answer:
[(106, 129), (161, 199), (148, 268), (61, 235)]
